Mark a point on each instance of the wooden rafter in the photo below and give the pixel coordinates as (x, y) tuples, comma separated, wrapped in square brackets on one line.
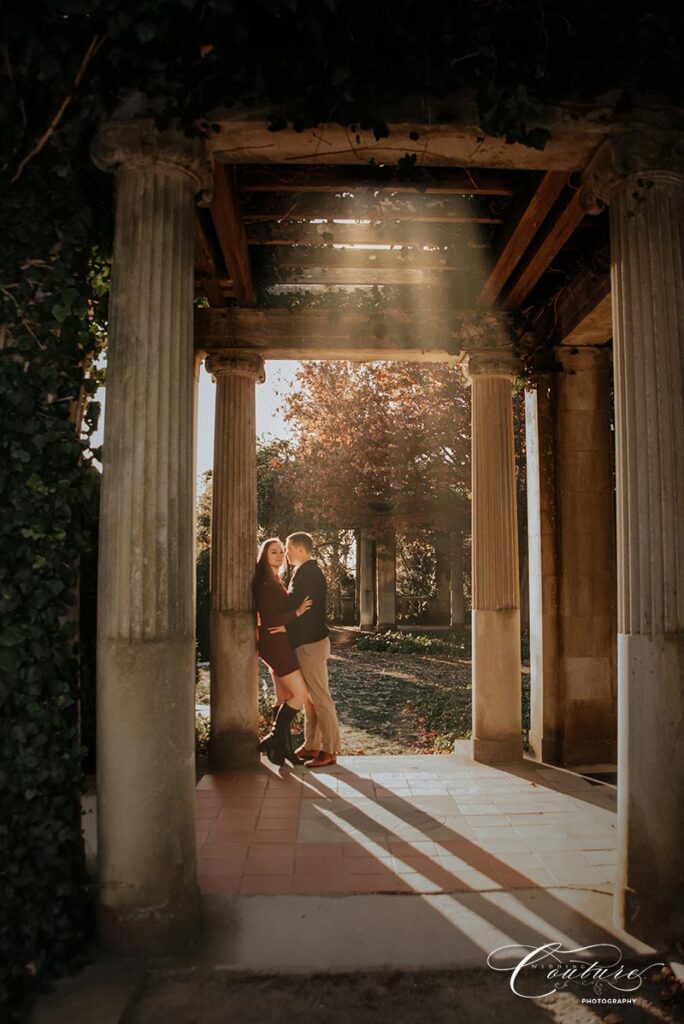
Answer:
[(283, 257), (549, 245), (205, 265), (523, 222), (259, 206), (382, 233), (437, 181), (366, 275), (230, 232)]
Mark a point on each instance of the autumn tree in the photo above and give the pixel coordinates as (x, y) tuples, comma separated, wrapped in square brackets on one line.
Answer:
[(382, 442)]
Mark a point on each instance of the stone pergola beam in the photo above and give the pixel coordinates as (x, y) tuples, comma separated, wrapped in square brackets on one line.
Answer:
[(330, 334), (576, 132)]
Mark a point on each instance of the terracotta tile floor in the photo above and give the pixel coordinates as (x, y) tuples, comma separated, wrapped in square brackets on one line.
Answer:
[(398, 824)]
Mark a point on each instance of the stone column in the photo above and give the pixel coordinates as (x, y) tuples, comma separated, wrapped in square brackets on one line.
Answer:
[(441, 605), (234, 672), (148, 896), (586, 537), (366, 573), (386, 580), (497, 735), (457, 598), (641, 177), (546, 718)]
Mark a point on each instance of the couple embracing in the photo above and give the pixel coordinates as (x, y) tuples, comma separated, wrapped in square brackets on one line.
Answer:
[(293, 641)]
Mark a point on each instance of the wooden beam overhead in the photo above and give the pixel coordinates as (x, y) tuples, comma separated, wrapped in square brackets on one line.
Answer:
[(205, 265), (279, 258), (230, 232), (522, 224), (543, 254), (330, 334), (381, 181), (316, 206), (381, 233), (363, 276)]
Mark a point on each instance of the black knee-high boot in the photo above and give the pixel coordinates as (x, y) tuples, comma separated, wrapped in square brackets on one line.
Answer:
[(265, 743), (280, 749)]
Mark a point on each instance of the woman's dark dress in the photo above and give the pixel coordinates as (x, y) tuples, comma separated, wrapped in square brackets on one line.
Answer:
[(275, 607)]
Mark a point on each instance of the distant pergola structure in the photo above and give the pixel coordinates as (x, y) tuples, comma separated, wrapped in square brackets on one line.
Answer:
[(496, 229)]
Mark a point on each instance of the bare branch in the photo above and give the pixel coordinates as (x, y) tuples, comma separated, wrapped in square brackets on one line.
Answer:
[(95, 44)]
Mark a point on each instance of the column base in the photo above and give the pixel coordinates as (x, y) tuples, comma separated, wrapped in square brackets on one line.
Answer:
[(650, 877), (147, 927), (234, 691), (497, 714), (545, 749), (148, 901), (366, 627), (655, 918), (382, 627), (496, 751), (233, 749)]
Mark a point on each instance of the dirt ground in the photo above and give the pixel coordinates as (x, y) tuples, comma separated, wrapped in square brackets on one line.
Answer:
[(458, 997), (390, 703)]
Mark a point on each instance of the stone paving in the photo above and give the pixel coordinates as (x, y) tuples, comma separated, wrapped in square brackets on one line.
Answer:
[(404, 824)]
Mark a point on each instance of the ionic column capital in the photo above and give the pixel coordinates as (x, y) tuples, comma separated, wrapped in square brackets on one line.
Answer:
[(498, 360), (635, 160), (137, 141), (224, 364)]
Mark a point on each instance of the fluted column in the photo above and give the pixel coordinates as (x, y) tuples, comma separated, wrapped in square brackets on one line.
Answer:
[(496, 730), (366, 572), (641, 177), (456, 595), (148, 896), (586, 535), (234, 674), (386, 580)]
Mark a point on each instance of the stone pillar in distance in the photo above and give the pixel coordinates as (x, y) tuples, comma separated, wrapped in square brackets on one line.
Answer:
[(234, 671), (147, 893), (386, 580), (441, 605), (641, 178), (457, 597), (366, 572), (546, 704), (496, 734)]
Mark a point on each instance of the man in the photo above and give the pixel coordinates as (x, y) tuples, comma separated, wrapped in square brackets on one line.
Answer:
[(310, 639)]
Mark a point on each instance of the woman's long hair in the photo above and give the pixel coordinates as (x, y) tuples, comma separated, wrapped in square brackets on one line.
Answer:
[(263, 570)]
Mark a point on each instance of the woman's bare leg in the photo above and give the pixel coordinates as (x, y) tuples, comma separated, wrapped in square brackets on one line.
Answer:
[(294, 682), (281, 691)]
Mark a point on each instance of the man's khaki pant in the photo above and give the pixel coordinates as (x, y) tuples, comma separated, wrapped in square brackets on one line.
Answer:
[(321, 728)]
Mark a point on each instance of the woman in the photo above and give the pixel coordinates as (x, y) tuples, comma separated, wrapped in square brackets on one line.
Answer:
[(275, 607)]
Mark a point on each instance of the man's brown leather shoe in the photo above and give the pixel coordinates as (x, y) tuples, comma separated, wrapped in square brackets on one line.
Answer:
[(322, 760), (305, 753)]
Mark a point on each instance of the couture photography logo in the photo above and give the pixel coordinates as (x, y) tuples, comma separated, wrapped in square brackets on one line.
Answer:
[(599, 970)]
